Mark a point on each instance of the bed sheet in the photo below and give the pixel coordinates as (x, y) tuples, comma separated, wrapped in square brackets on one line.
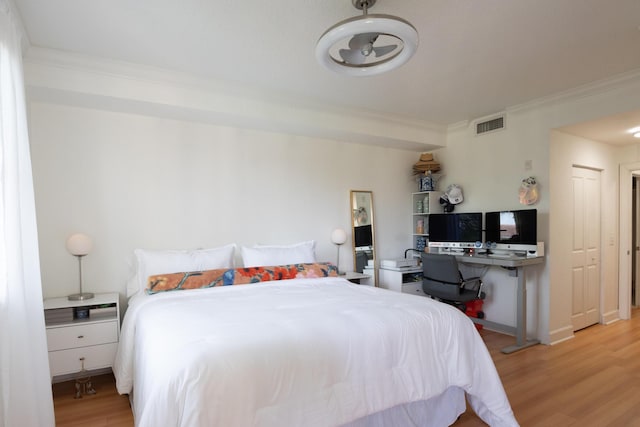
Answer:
[(312, 352)]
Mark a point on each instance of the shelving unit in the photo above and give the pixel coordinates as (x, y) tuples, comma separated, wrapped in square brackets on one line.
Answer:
[(81, 333), (430, 202)]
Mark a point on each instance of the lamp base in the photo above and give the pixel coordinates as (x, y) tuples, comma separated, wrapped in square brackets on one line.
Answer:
[(81, 297)]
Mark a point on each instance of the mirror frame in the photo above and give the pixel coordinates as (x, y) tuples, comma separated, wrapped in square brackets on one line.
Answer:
[(368, 210)]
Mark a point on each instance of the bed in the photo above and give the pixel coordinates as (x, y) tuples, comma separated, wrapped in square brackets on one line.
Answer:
[(312, 351)]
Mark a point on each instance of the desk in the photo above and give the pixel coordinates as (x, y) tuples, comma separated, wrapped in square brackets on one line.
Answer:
[(517, 265)]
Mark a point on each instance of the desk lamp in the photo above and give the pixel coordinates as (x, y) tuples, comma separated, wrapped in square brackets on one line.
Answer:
[(79, 245), (338, 237)]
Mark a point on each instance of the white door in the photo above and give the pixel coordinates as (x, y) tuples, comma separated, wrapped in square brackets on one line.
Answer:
[(586, 248)]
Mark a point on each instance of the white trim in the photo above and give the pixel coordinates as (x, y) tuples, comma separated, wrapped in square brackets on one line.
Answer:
[(625, 239), (610, 317), (560, 335)]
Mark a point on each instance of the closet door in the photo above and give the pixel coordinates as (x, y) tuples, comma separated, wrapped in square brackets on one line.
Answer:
[(586, 248)]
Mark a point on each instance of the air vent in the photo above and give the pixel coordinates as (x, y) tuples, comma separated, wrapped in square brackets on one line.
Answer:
[(492, 125)]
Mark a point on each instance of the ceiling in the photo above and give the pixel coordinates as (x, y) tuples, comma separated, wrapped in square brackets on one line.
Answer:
[(475, 58)]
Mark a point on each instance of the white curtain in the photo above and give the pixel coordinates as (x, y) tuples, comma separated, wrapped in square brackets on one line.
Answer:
[(25, 387)]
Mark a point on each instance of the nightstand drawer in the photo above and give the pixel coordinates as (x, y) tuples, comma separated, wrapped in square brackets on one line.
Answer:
[(95, 357), (413, 288), (82, 335)]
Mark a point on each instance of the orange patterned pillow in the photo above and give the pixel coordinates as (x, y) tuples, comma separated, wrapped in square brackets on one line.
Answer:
[(236, 276)]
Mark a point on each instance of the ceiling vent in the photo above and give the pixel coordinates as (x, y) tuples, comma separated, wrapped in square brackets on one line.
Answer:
[(491, 125)]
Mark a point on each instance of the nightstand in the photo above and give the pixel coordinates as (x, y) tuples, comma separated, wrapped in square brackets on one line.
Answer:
[(355, 277), (81, 331), (403, 279)]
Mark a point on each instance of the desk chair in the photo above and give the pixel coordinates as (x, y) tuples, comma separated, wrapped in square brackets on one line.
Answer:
[(442, 280)]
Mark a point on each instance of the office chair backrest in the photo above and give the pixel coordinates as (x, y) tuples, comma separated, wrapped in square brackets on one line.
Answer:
[(441, 268)]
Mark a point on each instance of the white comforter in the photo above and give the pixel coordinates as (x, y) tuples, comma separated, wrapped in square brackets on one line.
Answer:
[(303, 352)]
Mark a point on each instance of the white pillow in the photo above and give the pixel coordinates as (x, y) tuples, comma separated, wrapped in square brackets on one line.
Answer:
[(148, 263), (261, 256)]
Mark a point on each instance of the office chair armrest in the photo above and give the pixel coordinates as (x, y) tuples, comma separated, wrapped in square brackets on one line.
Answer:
[(473, 283)]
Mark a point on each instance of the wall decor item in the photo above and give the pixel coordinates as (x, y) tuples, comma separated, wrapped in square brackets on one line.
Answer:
[(528, 192)]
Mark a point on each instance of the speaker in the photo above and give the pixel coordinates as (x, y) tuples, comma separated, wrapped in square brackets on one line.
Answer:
[(538, 252)]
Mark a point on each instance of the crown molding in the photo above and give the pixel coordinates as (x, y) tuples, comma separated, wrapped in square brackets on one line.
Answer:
[(580, 92)]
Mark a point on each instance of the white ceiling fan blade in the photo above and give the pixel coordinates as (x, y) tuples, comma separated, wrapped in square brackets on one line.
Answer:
[(360, 40), (352, 56), (383, 50)]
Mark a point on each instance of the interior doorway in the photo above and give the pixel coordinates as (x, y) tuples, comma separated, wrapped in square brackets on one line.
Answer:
[(635, 254), (628, 173)]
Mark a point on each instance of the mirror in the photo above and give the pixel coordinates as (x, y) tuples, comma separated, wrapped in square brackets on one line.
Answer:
[(362, 229)]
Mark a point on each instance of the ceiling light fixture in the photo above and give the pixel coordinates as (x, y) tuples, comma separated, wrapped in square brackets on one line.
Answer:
[(636, 135), (367, 45), (634, 130)]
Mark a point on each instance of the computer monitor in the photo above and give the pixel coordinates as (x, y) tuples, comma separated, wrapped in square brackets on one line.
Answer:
[(514, 230), (455, 230), (363, 236)]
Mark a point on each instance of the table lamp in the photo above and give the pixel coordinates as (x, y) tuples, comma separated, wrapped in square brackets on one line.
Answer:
[(338, 237), (79, 245)]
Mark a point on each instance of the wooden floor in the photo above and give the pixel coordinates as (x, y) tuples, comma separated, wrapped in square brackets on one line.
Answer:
[(591, 380)]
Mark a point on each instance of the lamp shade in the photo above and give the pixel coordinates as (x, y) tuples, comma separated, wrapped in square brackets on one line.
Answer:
[(338, 236), (79, 244)]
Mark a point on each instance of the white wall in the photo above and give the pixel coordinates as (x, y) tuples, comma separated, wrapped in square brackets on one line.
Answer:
[(568, 151), (139, 162), (490, 168), (134, 181)]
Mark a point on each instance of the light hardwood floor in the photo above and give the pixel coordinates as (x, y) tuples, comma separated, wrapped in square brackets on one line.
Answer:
[(591, 380)]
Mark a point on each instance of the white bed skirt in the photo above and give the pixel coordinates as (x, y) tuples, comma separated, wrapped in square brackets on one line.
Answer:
[(442, 410)]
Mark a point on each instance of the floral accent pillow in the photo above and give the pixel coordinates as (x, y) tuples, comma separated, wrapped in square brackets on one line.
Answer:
[(237, 276)]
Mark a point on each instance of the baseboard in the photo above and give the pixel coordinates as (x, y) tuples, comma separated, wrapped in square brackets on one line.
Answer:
[(560, 335), (610, 317)]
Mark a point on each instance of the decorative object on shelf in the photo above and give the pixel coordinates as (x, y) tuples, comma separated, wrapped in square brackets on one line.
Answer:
[(338, 238), (83, 382), (528, 192), (79, 245), (419, 206), (421, 243), (420, 226), (425, 165), (376, 43), (81, 312)]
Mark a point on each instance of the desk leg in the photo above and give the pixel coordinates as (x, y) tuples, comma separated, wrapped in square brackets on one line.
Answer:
[(521, 316)]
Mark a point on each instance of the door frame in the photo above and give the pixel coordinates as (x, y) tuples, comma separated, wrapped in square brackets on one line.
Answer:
[(635, 243), (627, 172)]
